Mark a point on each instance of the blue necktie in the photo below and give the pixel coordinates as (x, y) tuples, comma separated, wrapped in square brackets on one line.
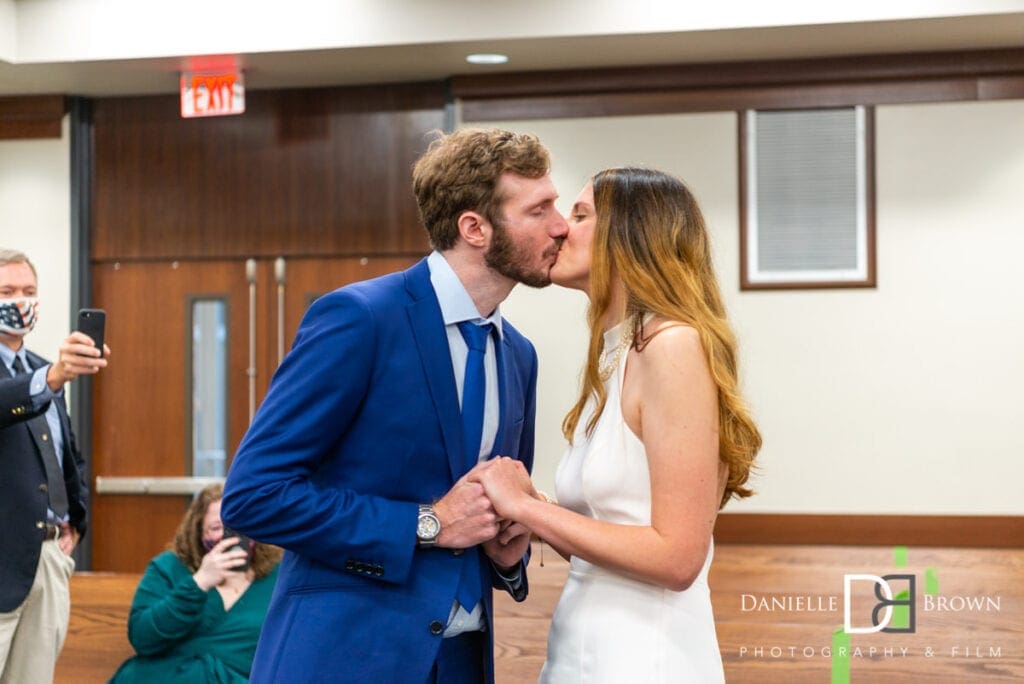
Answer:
[(474, 393), (474, 389)]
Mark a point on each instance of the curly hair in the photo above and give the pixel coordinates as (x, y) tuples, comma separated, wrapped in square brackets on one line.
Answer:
[(460, 172), (188, 540), (650, 235)]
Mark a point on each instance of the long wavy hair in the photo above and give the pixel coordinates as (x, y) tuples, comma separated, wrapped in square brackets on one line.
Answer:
[(188, 540), (650, 236)]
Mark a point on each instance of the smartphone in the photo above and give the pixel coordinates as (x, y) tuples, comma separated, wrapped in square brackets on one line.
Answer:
[(93, 322), (244, 544)]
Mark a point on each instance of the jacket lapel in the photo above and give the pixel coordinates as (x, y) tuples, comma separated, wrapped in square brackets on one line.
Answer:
[(65, 420), (432, 345), (39, 425), (504, 350)]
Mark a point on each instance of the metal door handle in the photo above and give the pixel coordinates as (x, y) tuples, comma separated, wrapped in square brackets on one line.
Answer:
[(279, 272), (250, 275), (154, 485)]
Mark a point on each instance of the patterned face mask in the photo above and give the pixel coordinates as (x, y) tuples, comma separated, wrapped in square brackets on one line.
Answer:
[(18, 316)]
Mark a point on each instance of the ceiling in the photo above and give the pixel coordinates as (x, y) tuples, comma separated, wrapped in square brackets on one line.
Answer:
[(439, 60)]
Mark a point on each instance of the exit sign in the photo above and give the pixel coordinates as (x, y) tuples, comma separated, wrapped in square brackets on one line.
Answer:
[(212, 94)]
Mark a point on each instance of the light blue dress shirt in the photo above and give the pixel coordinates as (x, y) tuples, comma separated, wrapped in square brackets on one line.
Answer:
[(457, 306)]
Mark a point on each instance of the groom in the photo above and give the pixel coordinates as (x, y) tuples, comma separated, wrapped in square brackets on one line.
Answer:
[(394, 390)]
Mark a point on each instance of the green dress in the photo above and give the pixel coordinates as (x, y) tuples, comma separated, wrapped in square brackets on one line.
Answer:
[(183, 634)]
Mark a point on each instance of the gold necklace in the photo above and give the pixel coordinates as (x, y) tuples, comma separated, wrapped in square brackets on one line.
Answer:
[(608, 361)]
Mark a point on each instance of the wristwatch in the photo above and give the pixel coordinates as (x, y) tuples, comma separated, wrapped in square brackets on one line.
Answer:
[(428, 526)]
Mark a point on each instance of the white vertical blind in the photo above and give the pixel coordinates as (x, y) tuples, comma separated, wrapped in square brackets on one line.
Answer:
[(807, 199)]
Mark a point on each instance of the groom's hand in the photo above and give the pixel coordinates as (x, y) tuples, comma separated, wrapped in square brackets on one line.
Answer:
[(466, 514), (509, 546)]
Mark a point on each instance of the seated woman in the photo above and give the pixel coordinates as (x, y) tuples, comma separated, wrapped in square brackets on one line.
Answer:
[(197, 613)]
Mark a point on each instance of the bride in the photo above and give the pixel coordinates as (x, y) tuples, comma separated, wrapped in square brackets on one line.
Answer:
[(660, 439)]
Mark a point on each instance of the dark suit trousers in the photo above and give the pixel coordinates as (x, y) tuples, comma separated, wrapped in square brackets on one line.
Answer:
[(460, 660)]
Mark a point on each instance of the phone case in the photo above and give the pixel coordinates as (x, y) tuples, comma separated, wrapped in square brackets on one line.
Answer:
[(92, 322)]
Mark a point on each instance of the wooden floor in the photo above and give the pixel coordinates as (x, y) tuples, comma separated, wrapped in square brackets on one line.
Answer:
[(782, 645), (787, 645)]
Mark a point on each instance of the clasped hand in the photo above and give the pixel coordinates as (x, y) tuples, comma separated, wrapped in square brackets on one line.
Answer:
[(481, 509)]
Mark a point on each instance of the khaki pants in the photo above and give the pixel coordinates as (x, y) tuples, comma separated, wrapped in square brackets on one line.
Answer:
[(32, 634)]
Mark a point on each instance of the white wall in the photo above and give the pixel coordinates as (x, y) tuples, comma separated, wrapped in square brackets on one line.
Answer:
[(900, 399), (8, 30), (35, 218), (691, 146)]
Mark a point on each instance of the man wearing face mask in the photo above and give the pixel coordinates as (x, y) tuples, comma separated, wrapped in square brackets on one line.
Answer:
[(42, 491)]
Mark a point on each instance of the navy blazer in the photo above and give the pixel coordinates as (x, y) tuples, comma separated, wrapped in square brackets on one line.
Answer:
[(359, 426), (23, 496)]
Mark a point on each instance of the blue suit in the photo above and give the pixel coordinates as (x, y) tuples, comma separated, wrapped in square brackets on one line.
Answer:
[(360, 425)]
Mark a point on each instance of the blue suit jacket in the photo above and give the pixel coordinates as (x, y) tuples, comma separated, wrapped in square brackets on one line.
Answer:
[(360, 425)]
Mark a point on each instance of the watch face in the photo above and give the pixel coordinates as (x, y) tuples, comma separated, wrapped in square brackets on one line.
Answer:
[(428, 527)]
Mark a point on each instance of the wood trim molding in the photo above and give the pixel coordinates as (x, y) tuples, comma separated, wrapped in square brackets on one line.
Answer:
[(992, 531), (770, 84), (35, 116), (876, 67), (730, 99)]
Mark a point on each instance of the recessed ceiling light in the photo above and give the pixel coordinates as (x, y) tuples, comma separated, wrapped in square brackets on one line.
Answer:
[(486, 58)]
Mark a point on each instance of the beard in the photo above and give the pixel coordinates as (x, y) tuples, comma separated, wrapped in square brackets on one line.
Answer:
[(513, 261)]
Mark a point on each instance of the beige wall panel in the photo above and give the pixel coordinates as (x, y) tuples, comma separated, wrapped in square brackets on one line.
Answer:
[(35, 218), (901, 399)]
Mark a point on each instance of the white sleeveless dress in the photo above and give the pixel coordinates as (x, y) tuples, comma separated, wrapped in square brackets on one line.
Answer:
[(608, 628)]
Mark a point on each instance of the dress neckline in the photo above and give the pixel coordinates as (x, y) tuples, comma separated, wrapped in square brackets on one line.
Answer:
[(613, 335)]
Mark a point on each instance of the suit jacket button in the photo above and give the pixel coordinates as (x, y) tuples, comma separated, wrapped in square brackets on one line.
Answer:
[(349, 565), (43, 488), (379, 571), (458, 552), (360, 567), (436, 628), (40, 524)]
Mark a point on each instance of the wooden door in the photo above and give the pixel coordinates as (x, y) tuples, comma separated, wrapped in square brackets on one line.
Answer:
[(144, 404), (307, 279)]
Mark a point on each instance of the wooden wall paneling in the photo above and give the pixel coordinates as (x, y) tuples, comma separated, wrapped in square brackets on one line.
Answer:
[(993, 531), (311, 172), (1001, 88), (32, 116)]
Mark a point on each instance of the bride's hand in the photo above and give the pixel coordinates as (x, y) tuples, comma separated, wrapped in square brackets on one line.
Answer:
[(507, 484)]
